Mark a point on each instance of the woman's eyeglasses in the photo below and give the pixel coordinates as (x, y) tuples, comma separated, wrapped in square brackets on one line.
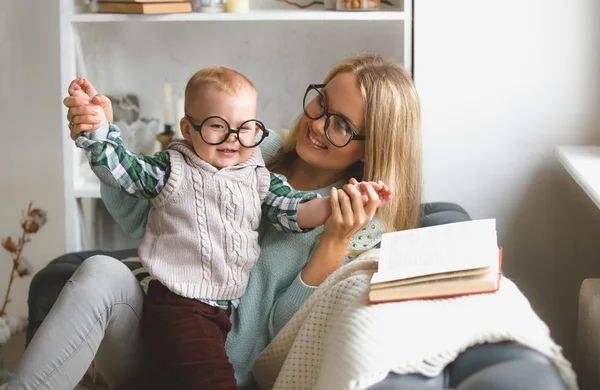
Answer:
[(338, 129), (215, 130)]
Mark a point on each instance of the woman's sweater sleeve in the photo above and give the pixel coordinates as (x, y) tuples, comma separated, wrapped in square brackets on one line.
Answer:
[(288, 303), (129, 212), (291, 299)]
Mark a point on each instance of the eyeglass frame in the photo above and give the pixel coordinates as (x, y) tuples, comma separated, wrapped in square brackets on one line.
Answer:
[(230, 131), (354, 136)]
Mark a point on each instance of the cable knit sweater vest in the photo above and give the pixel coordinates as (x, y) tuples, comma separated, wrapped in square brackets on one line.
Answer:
[(201, 239)]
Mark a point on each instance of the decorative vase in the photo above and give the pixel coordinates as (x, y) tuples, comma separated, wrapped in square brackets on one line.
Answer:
[(5, 375), (330, 4), (140, 136)]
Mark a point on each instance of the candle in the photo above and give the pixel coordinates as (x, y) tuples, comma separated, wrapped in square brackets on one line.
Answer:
[(179, 114), (237, 6), (168, 114)]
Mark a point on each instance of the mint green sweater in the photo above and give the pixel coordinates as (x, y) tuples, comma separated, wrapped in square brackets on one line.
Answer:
[(275, 290)]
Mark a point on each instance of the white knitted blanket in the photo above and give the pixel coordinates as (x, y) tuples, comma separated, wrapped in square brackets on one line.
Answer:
[(338, 341)]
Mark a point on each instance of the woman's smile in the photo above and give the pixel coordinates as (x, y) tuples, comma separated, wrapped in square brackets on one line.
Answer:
[(312, 142)]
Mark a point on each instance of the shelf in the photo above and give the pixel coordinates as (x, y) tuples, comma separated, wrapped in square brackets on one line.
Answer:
[(583, 164), (386, 13)]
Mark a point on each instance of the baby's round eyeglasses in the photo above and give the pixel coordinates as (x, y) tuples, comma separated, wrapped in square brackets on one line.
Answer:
[(215, 130)]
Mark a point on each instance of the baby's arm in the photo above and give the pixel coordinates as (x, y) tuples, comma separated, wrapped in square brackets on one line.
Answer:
[(315, 212), (141, 176), (281, 205), (296, 211)]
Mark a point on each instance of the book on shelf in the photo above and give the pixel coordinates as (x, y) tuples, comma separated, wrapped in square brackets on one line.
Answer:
[(146, 7), (441, 261)]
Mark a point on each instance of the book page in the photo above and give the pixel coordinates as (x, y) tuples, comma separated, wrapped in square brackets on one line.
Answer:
[(437, 249)]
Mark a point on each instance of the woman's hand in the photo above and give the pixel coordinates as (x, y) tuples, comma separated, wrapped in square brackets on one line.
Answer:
[(348, 215), (88, 110), (350, 210)]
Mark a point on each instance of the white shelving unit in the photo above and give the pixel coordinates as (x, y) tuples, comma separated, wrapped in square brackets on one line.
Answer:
[(77, 22)]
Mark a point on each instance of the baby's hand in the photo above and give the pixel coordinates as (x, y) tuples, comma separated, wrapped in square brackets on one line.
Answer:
[(82, 89), (91, 115), (383, 191)]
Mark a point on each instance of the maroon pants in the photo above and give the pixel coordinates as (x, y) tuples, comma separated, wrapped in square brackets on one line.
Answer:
[(185, 341)]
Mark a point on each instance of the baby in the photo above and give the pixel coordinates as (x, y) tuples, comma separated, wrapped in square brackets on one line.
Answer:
[(208, 194)]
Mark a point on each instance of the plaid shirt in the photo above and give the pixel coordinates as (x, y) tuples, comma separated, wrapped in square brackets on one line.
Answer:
[(145, 176)]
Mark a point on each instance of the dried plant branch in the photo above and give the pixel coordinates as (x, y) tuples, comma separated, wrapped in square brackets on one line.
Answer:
[(13, 272), (31, 222)]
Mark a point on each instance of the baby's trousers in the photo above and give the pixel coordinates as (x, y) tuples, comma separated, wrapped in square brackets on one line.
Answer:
[(185, 342)]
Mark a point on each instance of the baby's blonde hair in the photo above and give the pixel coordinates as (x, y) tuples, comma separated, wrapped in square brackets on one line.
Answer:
[(223, 78), (393, 137)]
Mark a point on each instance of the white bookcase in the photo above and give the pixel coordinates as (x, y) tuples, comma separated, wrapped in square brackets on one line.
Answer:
[(279, 47)]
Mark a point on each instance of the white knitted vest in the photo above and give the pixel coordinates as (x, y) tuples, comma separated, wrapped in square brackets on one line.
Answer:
[(201, 238)]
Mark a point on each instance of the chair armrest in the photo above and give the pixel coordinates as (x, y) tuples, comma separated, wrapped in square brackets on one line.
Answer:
[(589, 334), (499, 366)]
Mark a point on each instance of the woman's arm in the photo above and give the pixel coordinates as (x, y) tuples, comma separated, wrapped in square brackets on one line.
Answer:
[(129, 212), (331, 252), (348, 215)]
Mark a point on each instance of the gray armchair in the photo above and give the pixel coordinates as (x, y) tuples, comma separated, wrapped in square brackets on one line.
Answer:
[(503, 366), (589, 334)]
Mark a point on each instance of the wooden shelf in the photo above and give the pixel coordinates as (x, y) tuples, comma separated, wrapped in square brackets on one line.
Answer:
[(583, 164), (386, 13)]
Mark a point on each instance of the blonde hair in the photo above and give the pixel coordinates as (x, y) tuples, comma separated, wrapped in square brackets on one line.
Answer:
[(223, 78), (393, 137)]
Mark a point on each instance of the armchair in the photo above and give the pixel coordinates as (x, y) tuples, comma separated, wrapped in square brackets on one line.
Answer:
[(500, 366)]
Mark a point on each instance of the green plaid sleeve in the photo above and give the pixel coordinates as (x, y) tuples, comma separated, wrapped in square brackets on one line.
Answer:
[(280, 206), (141, 176)]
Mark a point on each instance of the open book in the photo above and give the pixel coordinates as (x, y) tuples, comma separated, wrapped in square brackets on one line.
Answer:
[(440, 261)]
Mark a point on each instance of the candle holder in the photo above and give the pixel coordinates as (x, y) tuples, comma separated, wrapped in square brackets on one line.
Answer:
[(237, 6), (165, 137)]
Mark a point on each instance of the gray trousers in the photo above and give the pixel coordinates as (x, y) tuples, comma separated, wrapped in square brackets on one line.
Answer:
[(94, 318)]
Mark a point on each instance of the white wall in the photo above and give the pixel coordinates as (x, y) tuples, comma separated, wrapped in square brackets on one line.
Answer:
[(30, 142), (502, 83)]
